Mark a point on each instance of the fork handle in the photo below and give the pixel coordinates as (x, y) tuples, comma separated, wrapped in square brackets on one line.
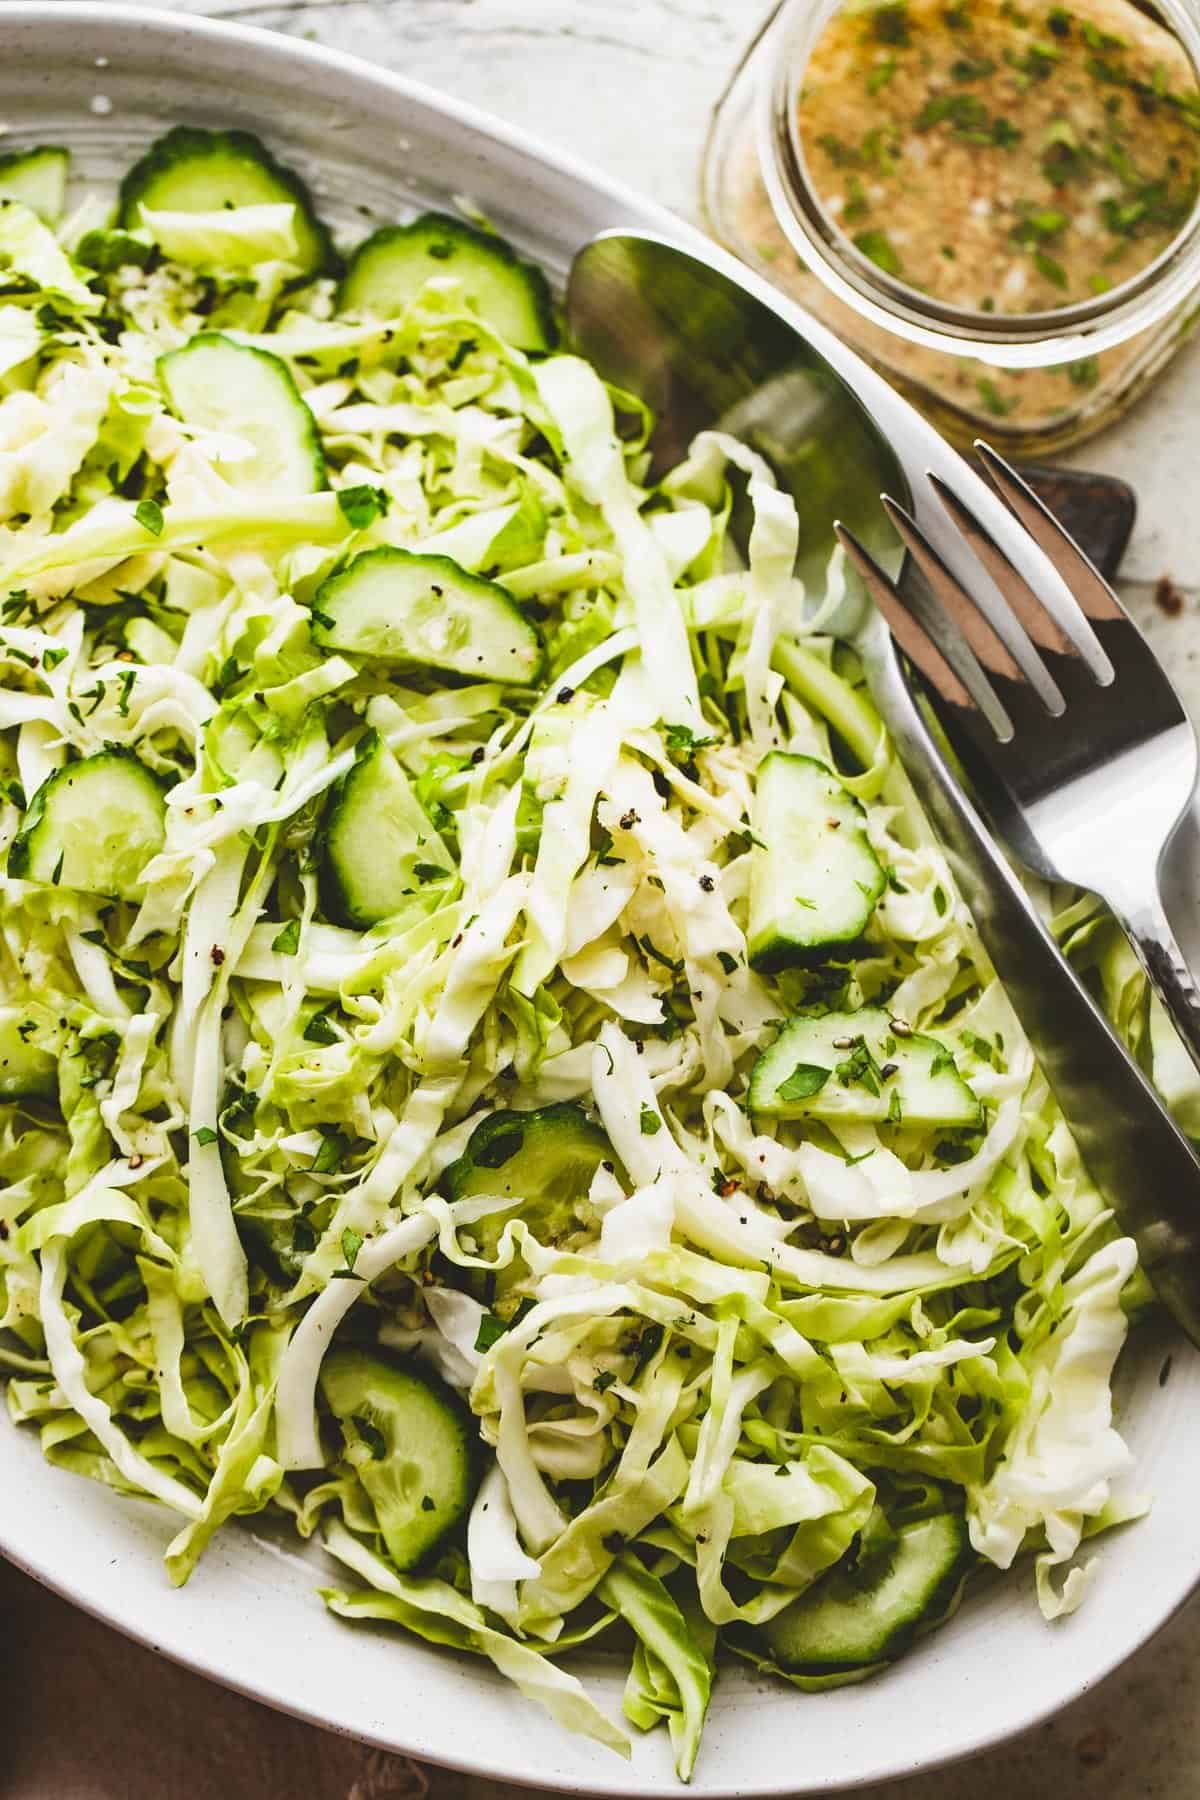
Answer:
[(1157, 949)]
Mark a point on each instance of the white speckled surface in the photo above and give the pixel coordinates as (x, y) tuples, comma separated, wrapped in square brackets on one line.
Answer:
[(87, 1716)]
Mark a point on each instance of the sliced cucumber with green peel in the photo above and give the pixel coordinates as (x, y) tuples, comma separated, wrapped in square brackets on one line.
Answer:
[(379, 843), (193, 170), (218, 385), (26, 1073), (814, 879), (548, 1158), (855, 1066), (395, 263), (857, 1616), (93, 825), (38, 179), (412, 1444), (394, 606)]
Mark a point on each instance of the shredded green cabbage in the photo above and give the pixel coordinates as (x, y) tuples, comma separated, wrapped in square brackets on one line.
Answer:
[(747, 1347)]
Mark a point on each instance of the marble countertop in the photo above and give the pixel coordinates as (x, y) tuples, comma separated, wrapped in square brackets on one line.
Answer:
[(88, 1716)]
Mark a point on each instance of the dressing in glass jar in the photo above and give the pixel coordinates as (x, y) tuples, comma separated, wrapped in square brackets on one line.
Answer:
[(994, 201)]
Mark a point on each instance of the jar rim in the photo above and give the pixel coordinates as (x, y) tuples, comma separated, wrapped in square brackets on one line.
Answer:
[(1006, 340)]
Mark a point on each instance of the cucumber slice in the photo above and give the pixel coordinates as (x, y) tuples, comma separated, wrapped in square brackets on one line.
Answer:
[(395, 263), (786, 1082), (26, 1073), (548, 1157), (870, 1613), (412, 1445), (379, 843), (192, 170), (38, 179), (816, 883), (396, 607), (218, 385), (93, 825)]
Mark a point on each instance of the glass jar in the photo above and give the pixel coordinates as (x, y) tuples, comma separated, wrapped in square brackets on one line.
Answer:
[(1031, 382)]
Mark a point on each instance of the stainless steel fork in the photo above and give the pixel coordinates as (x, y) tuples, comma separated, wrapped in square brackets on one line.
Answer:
[(1075, 739)]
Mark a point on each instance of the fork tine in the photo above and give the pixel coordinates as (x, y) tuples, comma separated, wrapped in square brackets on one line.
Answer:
[(1091, 593), (1043, 629), (950, 667), (1000, 644)]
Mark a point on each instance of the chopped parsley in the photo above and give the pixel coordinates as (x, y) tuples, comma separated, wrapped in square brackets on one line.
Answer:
[(805, 1080), (361, 506), (287, 940), (877, 247)]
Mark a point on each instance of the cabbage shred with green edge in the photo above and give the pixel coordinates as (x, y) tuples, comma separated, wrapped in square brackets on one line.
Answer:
[(257, 1105)]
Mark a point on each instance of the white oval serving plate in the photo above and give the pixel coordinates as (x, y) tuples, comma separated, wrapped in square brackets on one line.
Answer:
[(104, 80)]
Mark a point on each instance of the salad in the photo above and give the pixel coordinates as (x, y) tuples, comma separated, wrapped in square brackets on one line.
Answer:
[(493, 1062)]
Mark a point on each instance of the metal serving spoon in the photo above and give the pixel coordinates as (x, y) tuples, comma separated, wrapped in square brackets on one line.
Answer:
[(706, 344)]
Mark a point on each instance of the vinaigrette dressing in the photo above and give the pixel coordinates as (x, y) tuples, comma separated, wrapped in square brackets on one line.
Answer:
[(1002, 156), (984, 161)]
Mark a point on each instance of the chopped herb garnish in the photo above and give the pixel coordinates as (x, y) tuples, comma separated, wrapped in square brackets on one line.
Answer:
[(971, 68), (204, 1134), (991, 396), (859, 1069), (656, 955), (856, 206), (320, 1030), (17, 607), (805, 1080), (361, 506), (649, 1122), (331, 1155), (889, 23), (149, 514), (491, 1329), (877, 247), (287, 940)]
